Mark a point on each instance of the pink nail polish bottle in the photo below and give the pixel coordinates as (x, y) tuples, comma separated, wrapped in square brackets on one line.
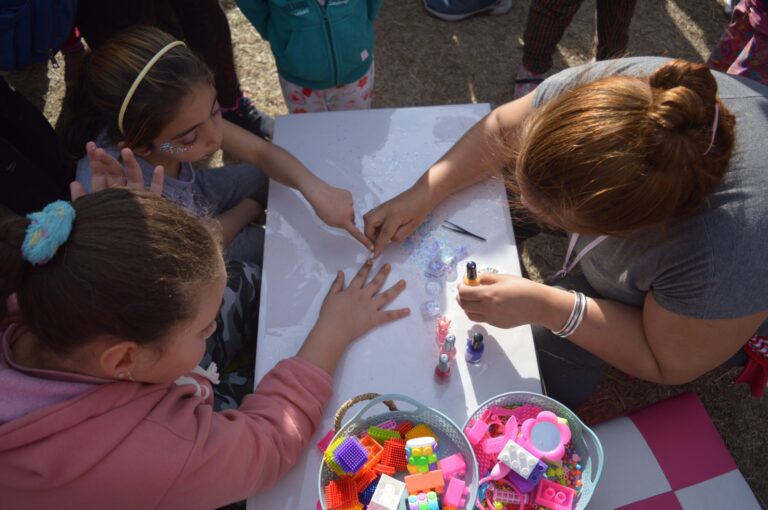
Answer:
[(443, 369)]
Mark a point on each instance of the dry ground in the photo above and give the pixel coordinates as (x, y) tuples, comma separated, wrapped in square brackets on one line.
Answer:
[(424, 61)]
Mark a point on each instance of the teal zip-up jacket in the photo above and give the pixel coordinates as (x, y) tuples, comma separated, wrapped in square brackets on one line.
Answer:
[(317, 47)]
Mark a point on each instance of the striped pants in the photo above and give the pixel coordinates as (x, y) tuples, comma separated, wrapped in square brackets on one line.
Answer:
[(548, 19)]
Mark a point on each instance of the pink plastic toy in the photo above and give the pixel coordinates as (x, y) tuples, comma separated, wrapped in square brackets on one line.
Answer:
[(555, 496), (493, 445), (540, 436), (476, 432), (453, 466), (456, 494), (322, 445)]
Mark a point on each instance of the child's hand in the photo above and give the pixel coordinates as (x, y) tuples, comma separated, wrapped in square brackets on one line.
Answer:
[(348, 313), (107, 172), (335, 207)]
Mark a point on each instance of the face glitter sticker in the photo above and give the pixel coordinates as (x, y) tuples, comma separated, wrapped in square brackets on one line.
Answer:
[(170, 148)]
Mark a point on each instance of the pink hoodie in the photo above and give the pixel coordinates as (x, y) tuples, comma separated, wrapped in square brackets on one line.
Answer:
[(128, 445)]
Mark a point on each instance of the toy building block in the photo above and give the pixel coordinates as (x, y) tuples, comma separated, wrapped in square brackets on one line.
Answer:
[(455, 494), (356, 506), (383, 469), (423, 501), (527, 485), (518, 459), (453, 466), (394, 454), (340, 494), (421, 453), (389, 424), (329, 459), (381, 435), (512, 496), (350, 455), (555, 496), (425, 482), (493, 445), (389, 492), (374, 450), (476, 432), (365, 496), (420, 430), (364, 479), (403, 427), (323, 444)]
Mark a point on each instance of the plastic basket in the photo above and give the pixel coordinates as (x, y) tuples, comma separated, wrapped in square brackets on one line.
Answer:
[(450, 438), (585, 442)]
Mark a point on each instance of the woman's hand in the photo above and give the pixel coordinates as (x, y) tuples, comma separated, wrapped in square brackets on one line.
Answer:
[(107, 172), (335, 207), (503, 301), (396, 218), (350, 312)]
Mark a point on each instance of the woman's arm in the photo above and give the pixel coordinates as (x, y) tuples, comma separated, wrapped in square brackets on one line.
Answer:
[(332, 205), (651, 343), (478, 155)]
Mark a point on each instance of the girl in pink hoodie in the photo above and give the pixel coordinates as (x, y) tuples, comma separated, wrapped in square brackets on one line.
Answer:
[(101, 403)]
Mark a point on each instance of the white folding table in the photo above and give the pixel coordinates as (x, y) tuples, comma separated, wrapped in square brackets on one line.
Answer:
[(376, 154)]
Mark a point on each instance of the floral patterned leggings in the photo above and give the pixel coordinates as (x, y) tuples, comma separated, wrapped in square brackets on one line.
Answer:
[(743, 48), (352, 96)]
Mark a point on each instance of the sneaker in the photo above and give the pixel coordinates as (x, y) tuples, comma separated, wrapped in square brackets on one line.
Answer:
[(455, 10), (247, 116), (526, 82)]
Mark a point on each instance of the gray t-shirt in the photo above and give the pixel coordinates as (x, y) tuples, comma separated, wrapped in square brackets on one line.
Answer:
[(712, 265)]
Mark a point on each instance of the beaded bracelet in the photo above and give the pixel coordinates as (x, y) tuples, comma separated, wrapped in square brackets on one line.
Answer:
[(577, 315)]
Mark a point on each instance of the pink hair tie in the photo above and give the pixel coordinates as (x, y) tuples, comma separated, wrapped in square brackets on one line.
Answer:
[(714, 129)]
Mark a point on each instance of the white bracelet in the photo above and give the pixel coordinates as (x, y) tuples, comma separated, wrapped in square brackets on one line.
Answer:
[(578, 312)]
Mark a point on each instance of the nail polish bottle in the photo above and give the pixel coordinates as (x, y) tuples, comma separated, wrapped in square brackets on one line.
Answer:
[(449, 347), (443, 369), (475, 348), (471, 277), (441, 330)]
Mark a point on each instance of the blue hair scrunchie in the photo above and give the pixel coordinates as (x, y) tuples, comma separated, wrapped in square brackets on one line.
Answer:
[(50, 228)]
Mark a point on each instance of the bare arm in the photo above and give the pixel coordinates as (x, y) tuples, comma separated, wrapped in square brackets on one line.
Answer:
[(235, 219), (475, 157), (332, 205), (651, 343)]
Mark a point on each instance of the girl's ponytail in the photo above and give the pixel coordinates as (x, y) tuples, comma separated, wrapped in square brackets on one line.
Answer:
[(12, 266)]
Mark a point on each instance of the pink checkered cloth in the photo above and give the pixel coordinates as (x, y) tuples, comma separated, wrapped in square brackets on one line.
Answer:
[(668, 456)]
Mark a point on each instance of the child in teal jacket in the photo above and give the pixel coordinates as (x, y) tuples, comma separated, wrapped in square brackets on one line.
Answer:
[(323, 49)]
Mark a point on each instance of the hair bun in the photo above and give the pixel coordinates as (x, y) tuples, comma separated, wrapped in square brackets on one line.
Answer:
[(684, 95)]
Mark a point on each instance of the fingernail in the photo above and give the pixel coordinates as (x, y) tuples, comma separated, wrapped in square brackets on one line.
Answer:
[(386, 267), (401, 284), (369, 262)]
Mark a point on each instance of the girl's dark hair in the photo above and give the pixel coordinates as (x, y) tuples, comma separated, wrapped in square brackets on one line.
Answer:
[(107, 75), (129, 269), (621, 153)]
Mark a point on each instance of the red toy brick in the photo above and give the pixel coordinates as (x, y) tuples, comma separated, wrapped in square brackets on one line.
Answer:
[(394, 454), (340, 494)]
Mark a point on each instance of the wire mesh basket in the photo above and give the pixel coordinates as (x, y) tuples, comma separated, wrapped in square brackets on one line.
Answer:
[(585, 442), (450, 437)]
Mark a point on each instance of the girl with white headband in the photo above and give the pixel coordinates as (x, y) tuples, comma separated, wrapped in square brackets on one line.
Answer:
[(147, 92)]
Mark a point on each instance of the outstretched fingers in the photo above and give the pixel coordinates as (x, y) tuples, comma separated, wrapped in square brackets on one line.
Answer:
[(386, 297)]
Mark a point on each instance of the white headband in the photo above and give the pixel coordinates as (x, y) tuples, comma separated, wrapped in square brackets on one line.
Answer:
[(140, 77)]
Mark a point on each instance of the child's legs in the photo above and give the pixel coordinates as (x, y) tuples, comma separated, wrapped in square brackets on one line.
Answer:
[(546, 23), (247, 246), (233, 345), (227, 186), (733, 40), (352, 96), (752, 62), (300, 99), (613, 19)]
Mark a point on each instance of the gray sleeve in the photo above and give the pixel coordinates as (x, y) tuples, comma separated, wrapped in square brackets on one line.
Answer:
[(574, 76)]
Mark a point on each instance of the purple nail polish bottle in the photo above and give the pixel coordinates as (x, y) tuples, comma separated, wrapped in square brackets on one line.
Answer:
[(475, 348)]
